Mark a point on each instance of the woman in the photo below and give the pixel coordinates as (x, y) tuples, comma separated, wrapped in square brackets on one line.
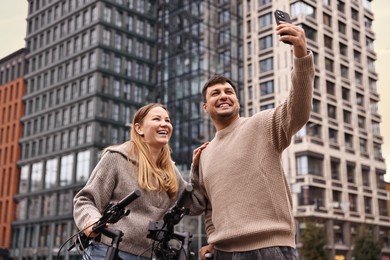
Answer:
[(144, 163)]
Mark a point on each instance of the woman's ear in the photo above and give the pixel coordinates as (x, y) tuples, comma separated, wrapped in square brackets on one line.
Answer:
[(138, 129)]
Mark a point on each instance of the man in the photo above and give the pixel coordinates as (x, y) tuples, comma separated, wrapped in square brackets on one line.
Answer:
[(240, 181)]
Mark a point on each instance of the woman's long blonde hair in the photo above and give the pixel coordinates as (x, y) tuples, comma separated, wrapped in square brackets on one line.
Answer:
[(153, 177)]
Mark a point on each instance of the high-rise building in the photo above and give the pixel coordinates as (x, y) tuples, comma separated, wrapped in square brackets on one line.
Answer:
[(12, 87), (92, 63), (90, 66), (335, 163), (195, 39)]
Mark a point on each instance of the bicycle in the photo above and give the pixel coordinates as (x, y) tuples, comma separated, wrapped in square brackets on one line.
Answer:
[(112, 214), (161, 232), (170, 244)]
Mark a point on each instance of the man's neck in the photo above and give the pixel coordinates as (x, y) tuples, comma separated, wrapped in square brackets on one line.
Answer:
[(220, 124)]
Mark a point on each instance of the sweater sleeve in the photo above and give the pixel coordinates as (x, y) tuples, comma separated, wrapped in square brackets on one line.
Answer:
[(294, 112), (199, 200), (92, 199)]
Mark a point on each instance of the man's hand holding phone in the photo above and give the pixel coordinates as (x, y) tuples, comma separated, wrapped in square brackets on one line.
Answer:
[(291, 34)]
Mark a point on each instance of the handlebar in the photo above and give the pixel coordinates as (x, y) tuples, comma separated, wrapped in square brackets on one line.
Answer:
[(112, 214), (172, 245)]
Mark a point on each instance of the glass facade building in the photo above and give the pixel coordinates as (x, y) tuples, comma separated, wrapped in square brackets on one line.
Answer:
[(92, 63)]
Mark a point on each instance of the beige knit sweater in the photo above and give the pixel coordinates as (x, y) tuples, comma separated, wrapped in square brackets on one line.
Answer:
[(240, 180)]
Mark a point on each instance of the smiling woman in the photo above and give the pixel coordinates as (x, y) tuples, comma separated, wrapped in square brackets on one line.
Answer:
[(143, 163)]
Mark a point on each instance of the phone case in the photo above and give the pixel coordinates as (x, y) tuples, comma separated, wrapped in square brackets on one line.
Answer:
[(281, 16)]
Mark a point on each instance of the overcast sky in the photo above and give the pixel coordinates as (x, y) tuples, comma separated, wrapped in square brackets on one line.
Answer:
[(13, 29)]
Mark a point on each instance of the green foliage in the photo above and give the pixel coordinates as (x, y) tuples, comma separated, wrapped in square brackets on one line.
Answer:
[(365, 246), (314, 242)]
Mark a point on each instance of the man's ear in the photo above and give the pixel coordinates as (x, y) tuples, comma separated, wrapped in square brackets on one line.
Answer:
[(205, 107)]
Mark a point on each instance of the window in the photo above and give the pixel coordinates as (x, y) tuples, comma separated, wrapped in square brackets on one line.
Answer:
[(327, 19), (359, 99), (24, 179), (346, 94), (249, 48), (106, 37), (354, 14), (265, 42), (51, 171), (264, 2), (356, 35), (336, 198), (342, 28), (36, 176), (366, 176), (80, 135), (348, 139), (333, 136), (335, 169), (107, 14), (371, 64), (83, 166), (332, 112), (265, 20), (375, 126), (362, 122), (370, 44), (267, 106), (367, 22), (383, 209), (378, 151), (363, 145), (316, 106), (330, 88), (351, 172), (307, 164), (267, 87), (341, 6), (347, 118), (329, 64), (357, 56), (344, 71), (303, 8), (266, 65), (311, 195), (309, 32), (250, 71), (66, 170), (353, 206), (328, 42)]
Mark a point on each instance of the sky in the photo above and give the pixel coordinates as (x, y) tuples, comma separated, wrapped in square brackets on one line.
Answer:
[(13, 30)]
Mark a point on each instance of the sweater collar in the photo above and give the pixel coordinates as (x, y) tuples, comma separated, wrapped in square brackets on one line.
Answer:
[(227, 130)]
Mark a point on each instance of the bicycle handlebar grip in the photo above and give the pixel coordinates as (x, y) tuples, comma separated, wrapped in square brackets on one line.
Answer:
[(182, 199), (128, 199)]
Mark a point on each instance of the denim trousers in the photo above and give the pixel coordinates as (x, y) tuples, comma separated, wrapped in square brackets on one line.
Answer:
[(97, 251), (269, 253)]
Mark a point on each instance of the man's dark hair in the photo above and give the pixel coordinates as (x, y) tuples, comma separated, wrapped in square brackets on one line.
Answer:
[(216, 79)]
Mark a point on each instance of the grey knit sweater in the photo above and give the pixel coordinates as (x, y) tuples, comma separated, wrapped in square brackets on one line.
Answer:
[(115, 177), (240, 180)]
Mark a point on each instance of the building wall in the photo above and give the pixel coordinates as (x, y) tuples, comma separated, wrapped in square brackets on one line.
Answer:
[(12, 89), (334, 163)]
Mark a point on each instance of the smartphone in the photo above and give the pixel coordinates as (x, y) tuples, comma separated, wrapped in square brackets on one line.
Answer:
[(281, 16)]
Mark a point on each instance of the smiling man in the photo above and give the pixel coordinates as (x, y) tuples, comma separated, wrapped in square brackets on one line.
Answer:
[(240, 181)]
